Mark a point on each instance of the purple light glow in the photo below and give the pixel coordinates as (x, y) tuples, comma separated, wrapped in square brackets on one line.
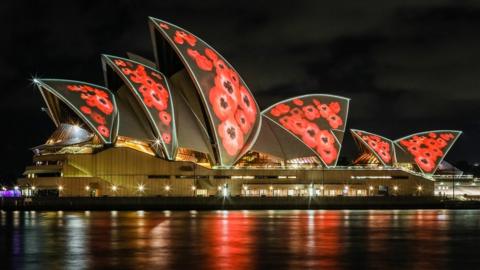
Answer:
[(10, 193)]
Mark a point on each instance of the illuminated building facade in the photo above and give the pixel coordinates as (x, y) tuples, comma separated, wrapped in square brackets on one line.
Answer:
[(188, 125)]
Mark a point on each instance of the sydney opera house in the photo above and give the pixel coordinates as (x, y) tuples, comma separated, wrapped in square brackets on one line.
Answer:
[(188, 125)]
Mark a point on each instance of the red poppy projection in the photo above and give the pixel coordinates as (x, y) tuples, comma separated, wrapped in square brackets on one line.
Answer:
[(151, 89), (232, 111), (380, 146), (93, 104), (312, 119), (429, 148)]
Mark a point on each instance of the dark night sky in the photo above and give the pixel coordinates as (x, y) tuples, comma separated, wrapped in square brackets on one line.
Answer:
[(408, 66)]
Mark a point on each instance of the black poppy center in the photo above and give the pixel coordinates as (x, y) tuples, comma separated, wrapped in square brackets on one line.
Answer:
[(231, 132), (423, 146), (103, 101), (324, 139), (223, 103), (228, 86), (311, 132), (424, 161), (246, 101)]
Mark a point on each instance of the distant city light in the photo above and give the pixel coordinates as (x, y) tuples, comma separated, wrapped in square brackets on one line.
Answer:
[(419, 188), (395, 188), (194, 187), (15, 187), (141, 188), (87, 188), (33, 187), (60, 188), (167, 188), (114, 188), (370, 187)]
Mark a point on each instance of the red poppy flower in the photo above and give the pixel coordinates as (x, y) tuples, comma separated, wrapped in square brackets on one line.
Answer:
[(297, 125), (103, 130), (211, 54), (156, 75), (220, 66), (335, 121), (181, 37), (248, 105), (441, 142), (232, 136), (298, 102), (414, 150), (167, 138), (282, 108), (154, 97), (225, 83), (77, 88), (327, 154), (86, 110), (297, 112), (310, 135), (99, 119), (373, 145), (384, 155), (431, 143), (310, 112), (165, 117), (285, 122), (426, 164), (437, 152), (100, 93), (432, 135), (242, 121), (324, 110), (325, 139), (120, 63), (101, 103), (316, 102), (275, 112), (202, 62), (447, 136), (164, 26), (222, 103), (335, 107)]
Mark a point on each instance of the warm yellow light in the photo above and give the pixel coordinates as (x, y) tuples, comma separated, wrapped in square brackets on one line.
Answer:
[(219, 188), (194, 187), (60, 188), (370, 188), (167, 188), (419, 188), (141, 187), (33, 187), (245, 187), (271, 187), (87, 188), (395, 188), (16, 187), (321, 187), (114, 188)]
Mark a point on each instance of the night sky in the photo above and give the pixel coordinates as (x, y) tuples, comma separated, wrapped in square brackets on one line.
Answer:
[(408, 66)]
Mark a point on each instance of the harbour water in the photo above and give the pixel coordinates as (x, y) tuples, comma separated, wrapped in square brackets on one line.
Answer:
[(267, 239)]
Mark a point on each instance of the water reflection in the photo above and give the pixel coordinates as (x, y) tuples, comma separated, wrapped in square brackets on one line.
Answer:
[(404, 239)]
